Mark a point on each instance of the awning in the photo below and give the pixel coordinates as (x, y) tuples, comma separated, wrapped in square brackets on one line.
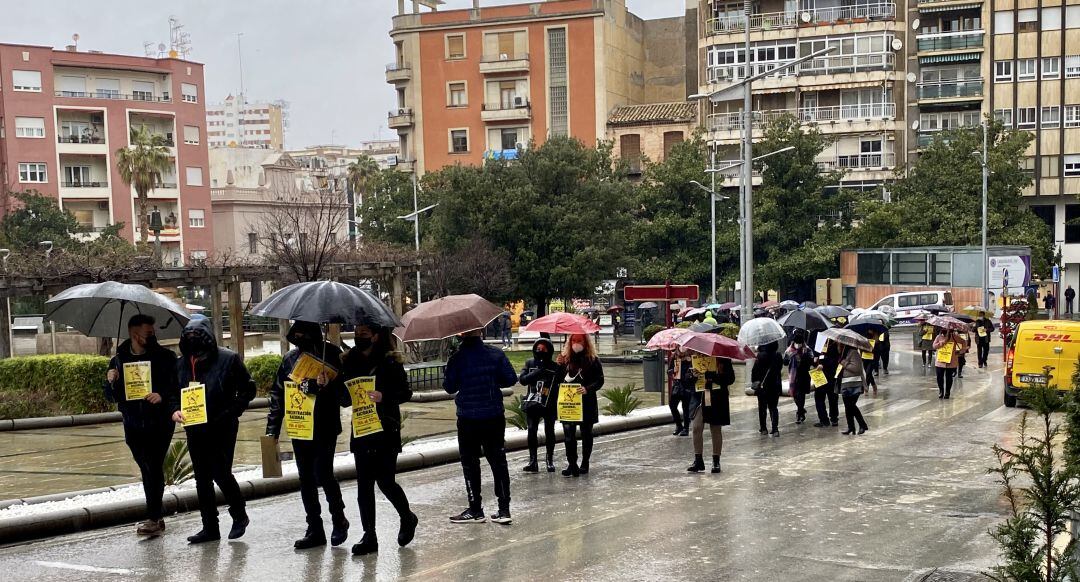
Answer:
[(933, 7), (951, 58)]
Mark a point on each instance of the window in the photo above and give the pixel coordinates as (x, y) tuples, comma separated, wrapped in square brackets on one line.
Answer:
[(909, 269), (1025, 69), (194, 176), (1046, 212), (671, 139), (1072, 166), (107, 88), (1072, 115), (1051, 67), (1027, 166), (1072, 223), (76, 176), (1051, 116), (1072, 16), (1005, 116), (142, 90), (509, 138), (253, 244), (459, 141), (189, 92), (26, 80), (191, 134), (1049, 166), (1051, 18), (33, 172), (198, 256), (455, 46), (29, 127), (1027, 20), (196, 218), (1003, 22), (941, 269), (558, 98), (873, 269), (1003, 70), (1025, 117), (458, 95), (71, 86)]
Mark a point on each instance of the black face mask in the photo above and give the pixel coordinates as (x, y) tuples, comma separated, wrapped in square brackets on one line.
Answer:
[(151, 341), (302, 341), (363, 343), (194, 345), (542, 356)]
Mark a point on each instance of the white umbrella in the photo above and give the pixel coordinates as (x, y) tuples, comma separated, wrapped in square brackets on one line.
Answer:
[(760, 331)]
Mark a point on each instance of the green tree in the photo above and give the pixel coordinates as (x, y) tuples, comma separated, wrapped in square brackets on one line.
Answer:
[(390, 196), (360, 175), (938, 199), (141, 166), (37, 218)]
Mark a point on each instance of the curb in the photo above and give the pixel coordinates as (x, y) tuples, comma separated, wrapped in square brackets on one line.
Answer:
[(31, 527)]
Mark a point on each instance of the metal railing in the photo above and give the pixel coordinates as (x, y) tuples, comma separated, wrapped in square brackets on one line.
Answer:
[(949, 89), (122, 96), (856, 161), (733, 73), (781, 20), (819, 66), (734, 121), (951, 41), (91, 139), (846, 112), (400, 112), (166, 186), (394, 67), (84, 184), (507, 106), (497, 57)]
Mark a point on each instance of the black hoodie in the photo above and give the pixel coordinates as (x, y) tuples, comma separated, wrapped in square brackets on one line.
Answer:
[(140, 413), (229, 387), (328, 398)]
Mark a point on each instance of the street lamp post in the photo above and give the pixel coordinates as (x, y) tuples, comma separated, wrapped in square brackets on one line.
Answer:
[(415, 218), (985, 253)]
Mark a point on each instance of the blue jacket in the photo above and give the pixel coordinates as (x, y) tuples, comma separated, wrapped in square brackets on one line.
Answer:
[(476, 374)]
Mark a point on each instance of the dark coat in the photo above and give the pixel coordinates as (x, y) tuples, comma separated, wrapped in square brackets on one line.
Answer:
[(799, 364), (537, 376), (327, 399), (392, 382), (229, 387), (140, 413), (883, 345), (1070, 294), (476, 375), (718, 412), (686, 381), (591, 377), (986, 324), (768, 368)]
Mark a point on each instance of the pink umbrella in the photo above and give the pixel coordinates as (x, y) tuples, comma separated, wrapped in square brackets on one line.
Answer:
[(665, 339), (716, 345), (565, 323), (947, 322), (769, 304)]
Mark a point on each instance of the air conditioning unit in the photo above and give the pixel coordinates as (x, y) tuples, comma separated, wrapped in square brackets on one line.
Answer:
[(403, 111), (520, 145), (504, 57), (520, 102), (103, 206)]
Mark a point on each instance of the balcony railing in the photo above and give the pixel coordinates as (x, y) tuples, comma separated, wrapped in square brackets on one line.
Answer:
[(781, 20), (398, 72), (969, 39), (395, 67), (951, 89), (166, 186), (91, 139), (819, 66), (862, 161), (84, 184), (499, 57), (516, 103), (734, 121), (110, 95), (847, 112)]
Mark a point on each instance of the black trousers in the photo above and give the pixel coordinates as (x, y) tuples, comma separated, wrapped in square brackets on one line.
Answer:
[(211, 447), (149, 445), (800, 402), (680, 398), (315, 467), (535, 416), (832, 415), (378, 466), (768, 401), (944, 380), (852, 412), (570, 434), (982, 349), (882, 359), (869, 366), (484, 437)]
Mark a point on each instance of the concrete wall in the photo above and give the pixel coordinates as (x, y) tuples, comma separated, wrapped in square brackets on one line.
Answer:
[(665, 60)]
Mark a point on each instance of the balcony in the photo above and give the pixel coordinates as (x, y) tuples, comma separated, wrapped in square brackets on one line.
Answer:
[(734, 121), (81, 144), (950, 41), (400, 119), (812, 17), (504, 63), (137, 96), (956, 90), (819, 66), (517, 110), (407, 166), (398, 73), (876, 161), (861, 112)]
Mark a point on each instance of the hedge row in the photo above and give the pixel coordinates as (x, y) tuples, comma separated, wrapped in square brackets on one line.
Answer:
[(263, 370), (52, 385)]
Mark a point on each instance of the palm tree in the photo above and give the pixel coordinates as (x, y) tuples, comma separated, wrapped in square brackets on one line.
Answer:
[(141, 165), (361, 174)]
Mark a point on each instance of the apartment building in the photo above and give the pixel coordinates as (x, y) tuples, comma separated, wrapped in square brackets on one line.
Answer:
[(237, 122), (481, 82), (64, 114)]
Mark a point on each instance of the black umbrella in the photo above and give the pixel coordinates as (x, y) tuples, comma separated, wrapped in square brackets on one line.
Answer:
[(833, 312), (807, 319), (863, 324), (702, 327), (103, 309), (327, 302)]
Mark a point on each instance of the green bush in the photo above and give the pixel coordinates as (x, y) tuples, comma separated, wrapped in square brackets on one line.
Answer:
[(729, 330), (684, 324), (264, 371), (621, 400), (52, 385), (650, 331), (516, 414)]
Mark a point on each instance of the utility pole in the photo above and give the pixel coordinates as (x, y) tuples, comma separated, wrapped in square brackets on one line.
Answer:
[(747, 200), (712, 206), (985, 252)]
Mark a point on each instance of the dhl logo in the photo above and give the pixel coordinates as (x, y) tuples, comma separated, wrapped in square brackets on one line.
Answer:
[(1051, 337)]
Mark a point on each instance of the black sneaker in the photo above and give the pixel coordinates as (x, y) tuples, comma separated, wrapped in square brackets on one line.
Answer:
[(531, 467), (502, 517), (571, 471), (684, 432), (340, 533), (821, 425), (469, 516)]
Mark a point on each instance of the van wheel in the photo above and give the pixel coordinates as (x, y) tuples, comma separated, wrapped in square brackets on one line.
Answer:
[(1010, 400)]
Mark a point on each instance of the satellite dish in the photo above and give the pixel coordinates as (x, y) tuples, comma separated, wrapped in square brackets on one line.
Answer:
[(915, 24), (915, 125), (806, 17), (911, 78), (897, 44), (75, 37)]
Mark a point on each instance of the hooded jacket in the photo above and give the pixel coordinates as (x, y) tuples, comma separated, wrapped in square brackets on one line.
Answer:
[(768, 368), (541, 374), (476, 375), (327, 399), (229, 387), (590, 374), (392, 382), (140, 413), (988, 325)]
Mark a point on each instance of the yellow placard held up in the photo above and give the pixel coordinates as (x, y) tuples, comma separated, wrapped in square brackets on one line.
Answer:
[(928, 333), (881, 337), (981, 330), (308, 367), (137, 383), (193, 404), (869, 355), (703, 364), (365, 416), (945, 353), (818, 378), (299, 413), (570, 406)]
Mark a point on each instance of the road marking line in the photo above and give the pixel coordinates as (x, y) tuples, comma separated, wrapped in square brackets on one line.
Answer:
[(1001, 414), (896, 406), (83, 568)]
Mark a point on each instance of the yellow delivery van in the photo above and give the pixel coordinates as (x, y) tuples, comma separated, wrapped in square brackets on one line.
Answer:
[(1035, 346)]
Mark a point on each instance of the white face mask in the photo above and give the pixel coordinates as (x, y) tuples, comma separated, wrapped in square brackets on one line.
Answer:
[(578, 348)]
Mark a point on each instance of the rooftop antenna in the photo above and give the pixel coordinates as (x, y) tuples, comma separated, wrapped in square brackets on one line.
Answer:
[(179, 41), (75, 40), (148, 48)]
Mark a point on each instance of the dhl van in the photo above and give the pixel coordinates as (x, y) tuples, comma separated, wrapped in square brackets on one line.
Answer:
[(1035, 346)]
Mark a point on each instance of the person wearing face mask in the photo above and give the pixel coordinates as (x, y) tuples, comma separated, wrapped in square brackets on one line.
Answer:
[(148, 430), (765, 377), (540, 376), (710, 406), (376, 454), (315, 457), (682, 390), (800, 359), (826, 400), (476, 375), (578, 364), (229, 389)]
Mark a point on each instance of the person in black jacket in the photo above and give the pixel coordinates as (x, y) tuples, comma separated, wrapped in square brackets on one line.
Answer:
[(710, 406), (682, 390), (376, 454), (540, 376), (148, 430), (882, 349), (765, 376), (314, 457), (800, 359), (579, 364), (827, 361), (229, 389), (983, 328)]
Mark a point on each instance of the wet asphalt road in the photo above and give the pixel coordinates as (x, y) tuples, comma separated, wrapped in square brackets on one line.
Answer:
[(910, 495)]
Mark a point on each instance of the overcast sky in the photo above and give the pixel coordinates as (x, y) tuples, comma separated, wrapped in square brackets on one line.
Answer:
[(325, 57)]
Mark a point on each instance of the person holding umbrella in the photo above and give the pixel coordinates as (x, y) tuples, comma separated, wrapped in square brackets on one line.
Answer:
[(984, 326), (850, 384), (148, 430), (375, 454), (827, 362), (800, 359), (926, 341), (882, 350), (765, 379), (314, 456), (948, 344), (710, 406), (682, 390), (228, 389), (540, 376), (579, 364)]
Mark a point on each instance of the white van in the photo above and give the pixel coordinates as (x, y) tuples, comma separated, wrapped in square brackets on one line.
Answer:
[(907, 304)]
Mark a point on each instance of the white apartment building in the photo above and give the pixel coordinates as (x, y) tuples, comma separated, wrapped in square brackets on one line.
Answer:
[(237, 122)]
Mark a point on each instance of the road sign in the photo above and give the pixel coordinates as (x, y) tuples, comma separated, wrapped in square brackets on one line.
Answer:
[(1057, 274), (660, 292)]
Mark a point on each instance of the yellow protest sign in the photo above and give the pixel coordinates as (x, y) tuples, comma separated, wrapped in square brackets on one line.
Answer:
[(881, 337), (308, 367), (137, 380), (193, 404), (945, 353), (703, 364), (982, 331), (928, 333), (570, 406), (365, 416), (869, 355), (818, 378), (299, 413)]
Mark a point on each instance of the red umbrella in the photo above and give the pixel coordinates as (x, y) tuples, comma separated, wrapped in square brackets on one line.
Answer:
[(716, 345), (665, 339), (565, 323)]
